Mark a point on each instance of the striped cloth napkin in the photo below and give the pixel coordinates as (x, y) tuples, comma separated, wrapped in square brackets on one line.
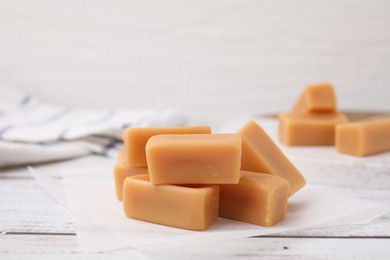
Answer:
[(32, 131)]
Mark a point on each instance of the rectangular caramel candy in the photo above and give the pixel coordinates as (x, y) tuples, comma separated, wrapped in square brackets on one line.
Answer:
[(314, 129), (260, 154), (318, 98), (196, 159), (123, 170), (258, 198), (135, 140), (188, 207), (364, 138)]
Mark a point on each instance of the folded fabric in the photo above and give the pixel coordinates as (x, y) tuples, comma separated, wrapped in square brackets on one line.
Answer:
[(32, 131)]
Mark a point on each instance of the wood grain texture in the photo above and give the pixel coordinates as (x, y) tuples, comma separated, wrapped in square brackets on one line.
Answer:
[(26, 208), (44, 247)]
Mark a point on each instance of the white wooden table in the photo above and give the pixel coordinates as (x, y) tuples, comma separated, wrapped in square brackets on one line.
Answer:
[(34, 225)]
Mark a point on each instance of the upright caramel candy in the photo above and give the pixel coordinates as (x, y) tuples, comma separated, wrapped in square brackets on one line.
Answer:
[(317, 98), (260, 154)]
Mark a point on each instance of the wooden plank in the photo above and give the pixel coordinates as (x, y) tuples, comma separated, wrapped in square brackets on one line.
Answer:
[(276, 248), (25, 207), (18, 246), (14, 245)]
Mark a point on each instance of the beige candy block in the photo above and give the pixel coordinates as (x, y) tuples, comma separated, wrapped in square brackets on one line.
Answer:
[(317, 98), (364, 138), (188, 207), (314, 129), (135, 140), (260, 154), (196, 158), (258, 198), (123, 170)]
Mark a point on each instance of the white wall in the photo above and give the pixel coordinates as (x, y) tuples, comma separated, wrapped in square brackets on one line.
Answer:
[(240, 56)]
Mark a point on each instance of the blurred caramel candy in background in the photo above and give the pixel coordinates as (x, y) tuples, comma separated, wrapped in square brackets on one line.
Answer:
[(313, 118), (364, 138)]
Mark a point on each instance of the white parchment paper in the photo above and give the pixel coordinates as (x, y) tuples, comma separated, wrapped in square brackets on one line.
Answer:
[(89, 192)]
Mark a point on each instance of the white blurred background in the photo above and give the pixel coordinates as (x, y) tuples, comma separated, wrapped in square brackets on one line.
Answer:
[(202, 56)]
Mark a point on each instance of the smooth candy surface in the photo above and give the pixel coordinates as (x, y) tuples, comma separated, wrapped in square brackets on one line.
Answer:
[(121, 171), (189, 207), (194, 159), (258, 198), (314, 129), (135, 140), (260, 154), (364, 138), (317, 98)]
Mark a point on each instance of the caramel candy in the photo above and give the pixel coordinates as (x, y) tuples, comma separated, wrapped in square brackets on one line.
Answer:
[(313, 129), (318, 98), (135, 140), (258, 198), (364, 138), (121, 171), (190, 207), (122, 157), (260, 154), (196, 158)]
